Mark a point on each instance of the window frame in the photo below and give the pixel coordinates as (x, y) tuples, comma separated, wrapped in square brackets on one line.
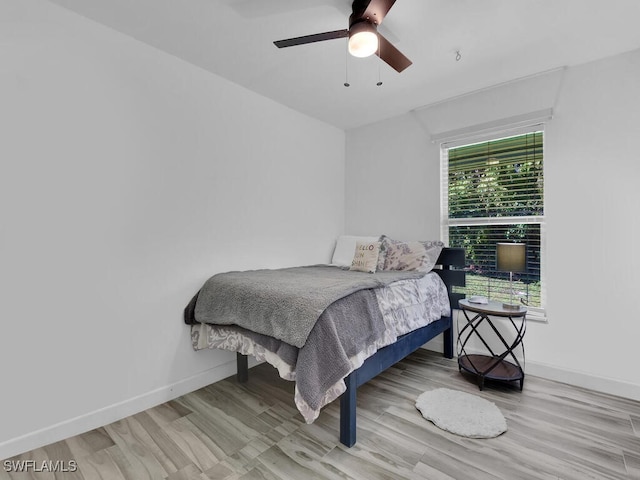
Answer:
[(533, 313)]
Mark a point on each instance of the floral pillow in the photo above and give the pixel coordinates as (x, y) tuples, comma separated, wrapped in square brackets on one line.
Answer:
[(365, 258), (417, 255)]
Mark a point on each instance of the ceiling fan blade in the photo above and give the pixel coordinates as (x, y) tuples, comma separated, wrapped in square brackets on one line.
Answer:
[(390, 54), (377, 10), (318, 37)]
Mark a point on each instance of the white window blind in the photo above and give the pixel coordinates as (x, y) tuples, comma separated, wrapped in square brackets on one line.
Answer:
[(493, 191)]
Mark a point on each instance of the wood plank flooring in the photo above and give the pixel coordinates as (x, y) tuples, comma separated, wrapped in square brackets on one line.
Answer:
[(229, 431)]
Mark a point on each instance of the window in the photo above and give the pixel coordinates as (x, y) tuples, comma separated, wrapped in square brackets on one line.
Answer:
[(493, 192)]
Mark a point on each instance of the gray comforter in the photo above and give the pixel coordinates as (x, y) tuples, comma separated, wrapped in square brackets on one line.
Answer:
[(344, 329), (285, 303)]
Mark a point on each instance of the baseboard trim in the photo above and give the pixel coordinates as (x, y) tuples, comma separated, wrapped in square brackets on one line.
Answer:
[(115, 412), (580, 379), (576, 378)]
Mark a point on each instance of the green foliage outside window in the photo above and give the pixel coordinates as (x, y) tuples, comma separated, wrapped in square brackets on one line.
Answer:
[(495, 194)]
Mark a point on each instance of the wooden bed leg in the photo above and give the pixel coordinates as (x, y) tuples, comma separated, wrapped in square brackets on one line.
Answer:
[(243, 367), (447, 337), (348, 412)]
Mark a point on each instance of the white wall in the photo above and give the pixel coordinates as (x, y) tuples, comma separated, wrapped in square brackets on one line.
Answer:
[(393, 180), (591, 202), (128, 177)]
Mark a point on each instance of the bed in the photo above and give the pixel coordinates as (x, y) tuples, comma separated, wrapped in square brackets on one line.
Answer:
[(386, 317)]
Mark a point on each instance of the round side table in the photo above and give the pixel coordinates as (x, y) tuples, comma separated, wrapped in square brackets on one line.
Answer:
[(494, 365)]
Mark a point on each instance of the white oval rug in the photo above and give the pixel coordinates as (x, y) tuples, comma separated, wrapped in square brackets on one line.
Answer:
[(462, 413)]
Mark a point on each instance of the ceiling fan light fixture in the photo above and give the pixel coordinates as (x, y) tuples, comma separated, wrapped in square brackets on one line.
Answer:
[(363, 39)]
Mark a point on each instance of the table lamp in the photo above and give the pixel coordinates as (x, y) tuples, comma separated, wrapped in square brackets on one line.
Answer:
[(511, 257)]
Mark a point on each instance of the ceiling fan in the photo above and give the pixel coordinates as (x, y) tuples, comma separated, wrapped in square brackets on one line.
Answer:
[(364, 39)]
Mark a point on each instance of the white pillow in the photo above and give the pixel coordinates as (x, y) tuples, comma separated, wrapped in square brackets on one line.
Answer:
[(346, 247)]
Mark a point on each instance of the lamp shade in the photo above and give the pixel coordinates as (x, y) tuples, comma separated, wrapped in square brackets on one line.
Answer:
[(363, 39), (511, 257)]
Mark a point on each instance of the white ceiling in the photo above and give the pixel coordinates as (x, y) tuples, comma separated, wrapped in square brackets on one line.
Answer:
[(499, 40)]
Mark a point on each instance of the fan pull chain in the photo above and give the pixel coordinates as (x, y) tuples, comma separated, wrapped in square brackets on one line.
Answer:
[(379, 84), (346, 65)]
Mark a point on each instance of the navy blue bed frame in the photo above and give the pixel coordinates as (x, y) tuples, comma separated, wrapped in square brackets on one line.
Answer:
[(450, 263)]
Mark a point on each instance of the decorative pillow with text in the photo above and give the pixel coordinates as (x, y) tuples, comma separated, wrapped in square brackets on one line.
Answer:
[(343, 253), (365, 258)]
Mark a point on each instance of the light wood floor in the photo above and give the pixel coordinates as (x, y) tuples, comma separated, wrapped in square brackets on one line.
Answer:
[(252, 431)]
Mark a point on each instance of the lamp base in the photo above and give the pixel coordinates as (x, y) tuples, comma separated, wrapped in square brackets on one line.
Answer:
[(511, 306)]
